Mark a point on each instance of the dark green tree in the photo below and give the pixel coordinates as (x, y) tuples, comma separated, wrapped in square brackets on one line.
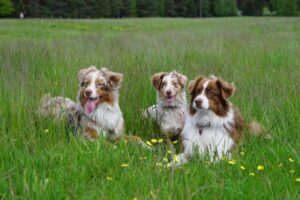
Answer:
[(129, 8), (285, 7), (160, 8), (116, 7), (102, 8), (225, 8), (191, 9), (181, 7), (5, 7), (205, 8), (252, 7), (146, 8), (169, 8)]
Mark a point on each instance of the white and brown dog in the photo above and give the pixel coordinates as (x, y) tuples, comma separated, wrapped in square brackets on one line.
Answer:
[(170, 109), (97, 109), (213, 125)]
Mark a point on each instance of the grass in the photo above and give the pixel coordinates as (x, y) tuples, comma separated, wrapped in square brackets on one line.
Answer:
[(40, 159)]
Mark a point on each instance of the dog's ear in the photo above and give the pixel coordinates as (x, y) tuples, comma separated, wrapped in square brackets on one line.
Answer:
[(192, 84), (181, 78), (227, 89), (114, 79), (156, 79), (83, 72)]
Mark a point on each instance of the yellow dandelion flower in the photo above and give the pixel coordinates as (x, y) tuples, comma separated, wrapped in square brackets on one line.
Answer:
[(165, 159), (169, 152), (279, 165), (297, 180), (291, 160), (160, 140), (175, 157), (159, 164), (175, 141), (108, 178), (124, 165), (242, 153), (260, 167), (125, 141), (46, 130), (135, 198), (149, 143), (251, 174), (154, 141), (242, 167), (232, 162), (292, 171)]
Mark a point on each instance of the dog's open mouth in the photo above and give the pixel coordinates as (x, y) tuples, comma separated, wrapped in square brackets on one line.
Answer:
[(91, 104), (170, 99)]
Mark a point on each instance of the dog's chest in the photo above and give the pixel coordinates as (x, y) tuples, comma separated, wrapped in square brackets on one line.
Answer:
[(175, 117), (107, 117), (205, 135), (208, 135)]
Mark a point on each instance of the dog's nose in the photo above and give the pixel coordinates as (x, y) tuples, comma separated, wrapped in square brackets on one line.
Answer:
[(198, 102), (168, 92), (88, 93)]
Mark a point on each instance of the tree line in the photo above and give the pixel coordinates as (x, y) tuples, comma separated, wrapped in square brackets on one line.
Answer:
[(147, 8)]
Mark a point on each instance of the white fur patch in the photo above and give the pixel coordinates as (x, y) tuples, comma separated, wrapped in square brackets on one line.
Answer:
[(168, 79), (93, 76), (170, 116), (202, 97), (107, 117), (205, 133)]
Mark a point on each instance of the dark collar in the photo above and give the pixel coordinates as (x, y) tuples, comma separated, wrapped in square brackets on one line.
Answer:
[(170, 107), (201, 127)]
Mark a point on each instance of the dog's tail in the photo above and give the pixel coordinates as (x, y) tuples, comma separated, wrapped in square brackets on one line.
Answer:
[(57, 107), (256, 129)]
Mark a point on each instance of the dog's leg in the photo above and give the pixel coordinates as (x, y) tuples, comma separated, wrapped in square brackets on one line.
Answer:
[(117, 133), (183, 157), (151, 112), (179, 160), (91, 133), (170, 143)]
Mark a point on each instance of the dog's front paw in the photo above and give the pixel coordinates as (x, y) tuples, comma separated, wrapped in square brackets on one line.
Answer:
[(144, 113), (173, 164)]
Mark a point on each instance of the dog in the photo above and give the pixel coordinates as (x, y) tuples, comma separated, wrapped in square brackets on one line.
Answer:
[(96, 112), (214, 126), (170, 109)]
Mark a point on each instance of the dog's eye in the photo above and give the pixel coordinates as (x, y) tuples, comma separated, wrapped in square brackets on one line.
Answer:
[(198, 91), (99, 84), (175, 85), (84, 84), (212, 93)]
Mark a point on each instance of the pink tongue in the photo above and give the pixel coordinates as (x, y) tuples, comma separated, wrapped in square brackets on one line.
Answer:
[(90, 106), (170, 100)]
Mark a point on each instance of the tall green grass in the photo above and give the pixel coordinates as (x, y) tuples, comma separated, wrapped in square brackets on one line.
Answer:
[(40, 159)]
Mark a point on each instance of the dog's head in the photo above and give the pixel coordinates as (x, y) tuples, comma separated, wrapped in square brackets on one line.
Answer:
[(97, 86), (210, 94), (170, 86)]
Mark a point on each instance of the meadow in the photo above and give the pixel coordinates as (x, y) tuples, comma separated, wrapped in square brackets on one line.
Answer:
[(41, 159)]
